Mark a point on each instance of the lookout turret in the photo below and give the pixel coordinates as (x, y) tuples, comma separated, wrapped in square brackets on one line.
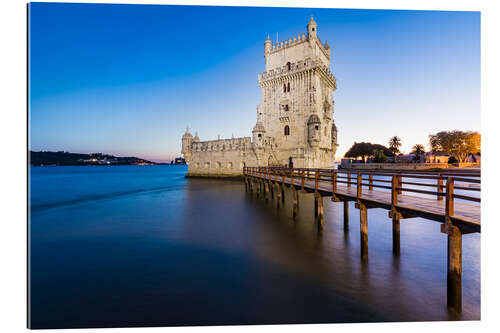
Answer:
[(312, 28), (187, 141), (258, 134), (313, 130)]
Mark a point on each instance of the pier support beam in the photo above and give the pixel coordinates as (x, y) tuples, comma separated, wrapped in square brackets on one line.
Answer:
[(454, 274), (278, 196), (395, 234), (315, 205), (363, 228), (283, 194), (346, 215), (319, 217), (295, 202), (266, 190)]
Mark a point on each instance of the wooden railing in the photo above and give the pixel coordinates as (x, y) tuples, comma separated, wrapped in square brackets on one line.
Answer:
[(441, 185)]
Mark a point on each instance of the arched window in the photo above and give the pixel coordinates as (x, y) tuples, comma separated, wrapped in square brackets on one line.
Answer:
[(288, 66), (286, 107), (288, 87), (287, 130), (284, 87)]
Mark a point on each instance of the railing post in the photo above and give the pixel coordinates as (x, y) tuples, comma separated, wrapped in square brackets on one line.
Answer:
[(303, 180), (394, 192), (316, 181), (359, 187), (334, 181), (348, 179), (440, 187), (283, 186), (371, 182), (449, 197), (400, 184)]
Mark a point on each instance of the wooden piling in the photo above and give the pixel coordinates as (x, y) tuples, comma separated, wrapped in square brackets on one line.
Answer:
[(363, 221), (454, 273), (320, 217), (315, 205), (266, 190), (346, 215), (395, 234), (295, 202), (278, 196)]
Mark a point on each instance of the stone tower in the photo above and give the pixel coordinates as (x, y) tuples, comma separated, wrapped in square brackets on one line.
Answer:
[(294, 119), (297, 100)]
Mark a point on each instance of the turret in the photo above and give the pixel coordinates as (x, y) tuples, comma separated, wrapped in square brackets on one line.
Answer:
[(187, 141), (312, 28), (267, 45), (313, 130), (258, 134), (334, 135), (196, 137)]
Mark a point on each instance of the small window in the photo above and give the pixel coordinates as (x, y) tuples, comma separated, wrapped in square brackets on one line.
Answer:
[(260, 136), (288, 87), (288, 66), (316, 127), (284, 88), (286, 107), (287, 130), (312, 29)]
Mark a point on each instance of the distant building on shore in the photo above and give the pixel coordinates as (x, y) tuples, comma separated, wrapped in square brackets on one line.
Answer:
[(295, 124), (179, 161)]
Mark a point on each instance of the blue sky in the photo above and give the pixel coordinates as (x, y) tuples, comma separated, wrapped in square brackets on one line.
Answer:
[(127, 79)]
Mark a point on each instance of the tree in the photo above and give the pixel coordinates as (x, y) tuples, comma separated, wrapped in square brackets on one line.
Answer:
[(394, 144), (379, 156), (365, 150), (418, 150), (458, 144)]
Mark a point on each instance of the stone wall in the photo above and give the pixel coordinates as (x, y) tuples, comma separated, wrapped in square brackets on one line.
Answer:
[(222, 158)]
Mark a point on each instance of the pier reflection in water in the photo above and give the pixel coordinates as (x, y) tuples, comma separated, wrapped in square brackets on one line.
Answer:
[(411, 286), (207, 252)]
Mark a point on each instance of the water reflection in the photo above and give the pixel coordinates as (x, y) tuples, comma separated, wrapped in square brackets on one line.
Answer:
[(206, 252)]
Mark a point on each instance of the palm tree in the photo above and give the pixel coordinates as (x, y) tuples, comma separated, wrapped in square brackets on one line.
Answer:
[(418, 150), (394, 144)]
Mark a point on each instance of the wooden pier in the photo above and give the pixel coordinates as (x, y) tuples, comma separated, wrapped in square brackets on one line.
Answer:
[(449, 197)]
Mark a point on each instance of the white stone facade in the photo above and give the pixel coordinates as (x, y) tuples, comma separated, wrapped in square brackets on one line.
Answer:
[(294, 120)]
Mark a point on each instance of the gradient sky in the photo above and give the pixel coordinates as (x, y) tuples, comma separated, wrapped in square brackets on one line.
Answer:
[(127, 79)]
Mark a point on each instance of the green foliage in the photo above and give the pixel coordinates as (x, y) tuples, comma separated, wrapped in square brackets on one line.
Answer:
[(394, 144), (379, 156), (458, 144), (418, 150), (365, 150)]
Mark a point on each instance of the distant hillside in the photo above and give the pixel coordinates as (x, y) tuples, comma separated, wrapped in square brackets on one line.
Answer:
[(39, 158)]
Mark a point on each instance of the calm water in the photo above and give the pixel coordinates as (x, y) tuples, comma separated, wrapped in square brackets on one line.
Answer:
[(144, 246)]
